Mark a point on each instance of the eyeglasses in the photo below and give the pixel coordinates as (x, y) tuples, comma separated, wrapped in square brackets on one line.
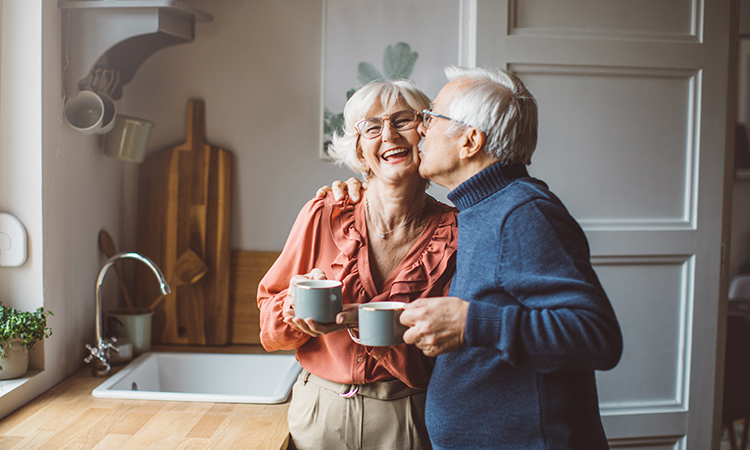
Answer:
[(427, 118), (400, 121)]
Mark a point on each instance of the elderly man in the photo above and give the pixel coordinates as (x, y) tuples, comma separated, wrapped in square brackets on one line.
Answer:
[(527, 322)]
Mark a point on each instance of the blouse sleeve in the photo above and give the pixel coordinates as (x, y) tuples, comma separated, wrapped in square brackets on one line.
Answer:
[(298, 257)]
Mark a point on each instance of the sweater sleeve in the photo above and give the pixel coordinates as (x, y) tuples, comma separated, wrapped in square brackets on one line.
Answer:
[(549, 309), (297, 257)]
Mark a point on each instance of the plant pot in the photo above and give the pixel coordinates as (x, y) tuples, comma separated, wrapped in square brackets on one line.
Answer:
[(16, 360)]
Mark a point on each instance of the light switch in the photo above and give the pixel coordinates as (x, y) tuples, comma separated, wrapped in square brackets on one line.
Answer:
[(12, 241), (4, 242)]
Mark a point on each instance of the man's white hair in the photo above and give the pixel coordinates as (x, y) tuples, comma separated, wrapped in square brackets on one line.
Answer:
[(497, 103)]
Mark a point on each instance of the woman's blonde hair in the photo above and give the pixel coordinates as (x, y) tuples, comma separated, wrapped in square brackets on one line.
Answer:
[(344, 148)]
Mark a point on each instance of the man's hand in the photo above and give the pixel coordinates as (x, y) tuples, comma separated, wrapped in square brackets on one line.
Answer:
[(340, 189), (437, 324)]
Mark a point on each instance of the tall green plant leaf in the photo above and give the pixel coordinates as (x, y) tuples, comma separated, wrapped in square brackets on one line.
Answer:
[(366, 72), (398, 61)]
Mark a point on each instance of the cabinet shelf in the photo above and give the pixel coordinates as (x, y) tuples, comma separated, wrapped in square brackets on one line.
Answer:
[(118, 35), (742, 175)]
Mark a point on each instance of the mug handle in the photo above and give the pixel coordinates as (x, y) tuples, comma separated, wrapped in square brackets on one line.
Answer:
[(354, 338)]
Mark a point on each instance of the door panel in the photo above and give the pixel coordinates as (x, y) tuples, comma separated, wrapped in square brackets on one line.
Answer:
[(622, 150), (635, 17), (633, 113), (651, 373)]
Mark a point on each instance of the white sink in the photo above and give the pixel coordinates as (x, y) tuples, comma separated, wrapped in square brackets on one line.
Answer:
[(204, 377)]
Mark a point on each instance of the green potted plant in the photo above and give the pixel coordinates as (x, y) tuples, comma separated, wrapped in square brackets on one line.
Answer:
[(19, 331)]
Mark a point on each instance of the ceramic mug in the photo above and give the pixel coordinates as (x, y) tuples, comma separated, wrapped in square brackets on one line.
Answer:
[(110, 112), (90, 112), (128, 138), (135, 327), (319, 300), (379, 324), (84, 112)]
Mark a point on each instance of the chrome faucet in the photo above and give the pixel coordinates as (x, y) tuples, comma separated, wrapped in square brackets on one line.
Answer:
[(100, 354)]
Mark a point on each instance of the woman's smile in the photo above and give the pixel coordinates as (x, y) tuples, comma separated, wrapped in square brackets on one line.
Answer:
[(396, 155)]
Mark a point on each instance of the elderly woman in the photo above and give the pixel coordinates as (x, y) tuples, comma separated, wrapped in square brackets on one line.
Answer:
[(396, 245)]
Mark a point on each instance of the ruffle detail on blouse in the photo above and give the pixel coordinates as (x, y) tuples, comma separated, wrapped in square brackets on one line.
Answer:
[(435, 257), (348, 239)]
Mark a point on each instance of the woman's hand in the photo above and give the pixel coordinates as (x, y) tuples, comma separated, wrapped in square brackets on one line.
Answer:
[(345, 319), (340, 189), (315, 274)]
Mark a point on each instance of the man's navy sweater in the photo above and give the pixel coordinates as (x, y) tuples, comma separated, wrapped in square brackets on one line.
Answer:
[(539, 324)]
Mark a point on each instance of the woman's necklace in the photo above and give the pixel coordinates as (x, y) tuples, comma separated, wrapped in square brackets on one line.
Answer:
[(384, 234)]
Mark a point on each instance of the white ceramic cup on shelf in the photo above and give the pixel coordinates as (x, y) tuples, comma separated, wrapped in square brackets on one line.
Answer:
[(90, 112), (110, 112), (128, 138)]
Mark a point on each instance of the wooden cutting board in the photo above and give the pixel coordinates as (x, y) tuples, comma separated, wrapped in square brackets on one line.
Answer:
[(184, 202)]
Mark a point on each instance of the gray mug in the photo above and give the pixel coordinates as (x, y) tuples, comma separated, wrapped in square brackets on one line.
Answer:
[(319, 300), (379, 324)]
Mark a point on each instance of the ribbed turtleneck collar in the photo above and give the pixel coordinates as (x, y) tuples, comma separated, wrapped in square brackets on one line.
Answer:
[(485, 183)]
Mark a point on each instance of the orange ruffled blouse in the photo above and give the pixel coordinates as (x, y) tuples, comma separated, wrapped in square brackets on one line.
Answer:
[(332, 236)]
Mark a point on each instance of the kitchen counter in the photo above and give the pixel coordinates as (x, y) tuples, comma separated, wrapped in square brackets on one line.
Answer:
[(68, 416)]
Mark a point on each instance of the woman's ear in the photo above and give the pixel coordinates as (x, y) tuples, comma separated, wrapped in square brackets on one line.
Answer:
[(472, 143), (361, 159)]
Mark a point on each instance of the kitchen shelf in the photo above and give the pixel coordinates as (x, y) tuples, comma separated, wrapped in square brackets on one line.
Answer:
[(742, 175), (118, 35), (173, 5)]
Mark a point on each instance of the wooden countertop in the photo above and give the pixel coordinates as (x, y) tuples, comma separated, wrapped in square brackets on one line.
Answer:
[(68, 416)]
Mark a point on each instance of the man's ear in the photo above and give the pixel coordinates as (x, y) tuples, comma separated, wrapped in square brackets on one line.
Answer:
[(472, 142)]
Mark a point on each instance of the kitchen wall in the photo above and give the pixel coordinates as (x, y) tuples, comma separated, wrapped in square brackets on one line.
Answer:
[(59, 185), (257, 65)]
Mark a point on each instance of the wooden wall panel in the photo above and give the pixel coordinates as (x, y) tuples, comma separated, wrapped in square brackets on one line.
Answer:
[(248, 269)]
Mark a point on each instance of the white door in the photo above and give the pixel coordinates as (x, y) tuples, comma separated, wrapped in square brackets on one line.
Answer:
[(633, 110)]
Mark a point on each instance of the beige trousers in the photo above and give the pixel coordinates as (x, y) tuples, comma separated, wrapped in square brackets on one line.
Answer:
[(328, 416)]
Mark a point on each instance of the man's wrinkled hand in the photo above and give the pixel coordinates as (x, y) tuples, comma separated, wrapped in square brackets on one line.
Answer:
[(351, 187), (436, 325)]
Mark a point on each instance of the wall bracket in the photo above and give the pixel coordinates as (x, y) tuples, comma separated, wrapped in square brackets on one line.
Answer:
[(105, 41)]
